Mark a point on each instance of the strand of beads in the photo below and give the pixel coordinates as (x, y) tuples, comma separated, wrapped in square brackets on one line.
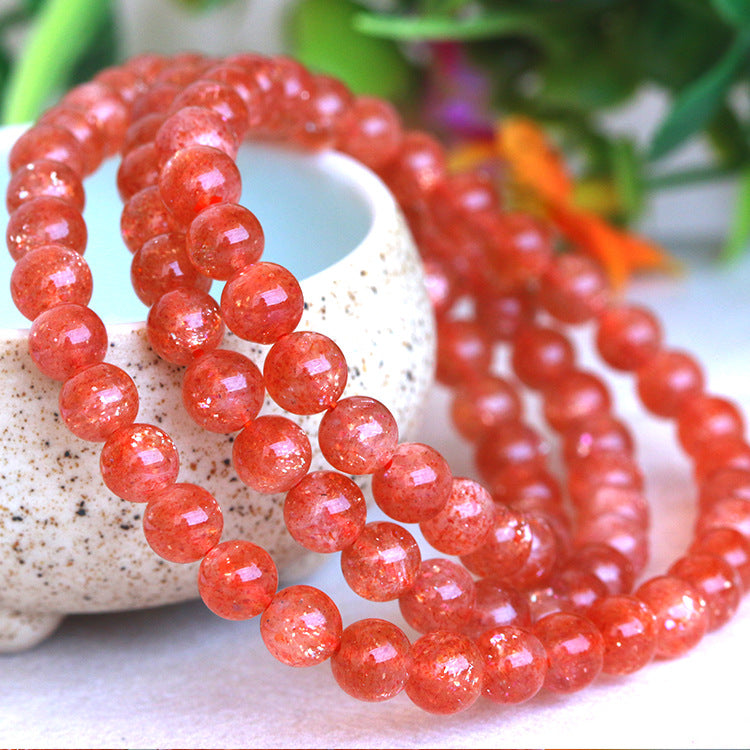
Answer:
[(279, 93)]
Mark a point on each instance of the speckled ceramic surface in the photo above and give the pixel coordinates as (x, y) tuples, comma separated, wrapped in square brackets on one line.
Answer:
[(66, 543)]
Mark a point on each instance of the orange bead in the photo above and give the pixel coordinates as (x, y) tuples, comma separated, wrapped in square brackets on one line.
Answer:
[(464, 351), (598, 433), (483, 404), (192, 127), (543, 557), (496, 605), (510, 445), (371, 132), (89, 137), (541, 356), (142, 131), (728, 545), (628, 336), (704, 418), (145, 216), (573, 289), (668, 381), (574, 397), (329, 101), (105, 108), (417, 168), (46, 141), (219, 98), (44, 177), (138, 169)]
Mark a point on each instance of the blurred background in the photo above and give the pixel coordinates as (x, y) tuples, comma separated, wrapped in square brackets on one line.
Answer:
[(647, 100)]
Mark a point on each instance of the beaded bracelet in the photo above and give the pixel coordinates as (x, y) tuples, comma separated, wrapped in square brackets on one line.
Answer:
[(551, 604)]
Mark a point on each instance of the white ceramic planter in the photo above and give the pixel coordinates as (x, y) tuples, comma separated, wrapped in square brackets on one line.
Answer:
[(67, 545)]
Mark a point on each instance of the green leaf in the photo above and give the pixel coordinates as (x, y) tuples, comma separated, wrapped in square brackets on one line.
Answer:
[(735, 12), (323, 37), (627, 171), (739, 231), (698, 103)]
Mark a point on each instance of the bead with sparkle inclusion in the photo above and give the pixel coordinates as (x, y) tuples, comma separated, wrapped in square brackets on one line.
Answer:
[(237, 580), (301, 626)]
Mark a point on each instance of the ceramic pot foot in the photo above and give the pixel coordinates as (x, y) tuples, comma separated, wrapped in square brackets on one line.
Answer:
[(22, 630)]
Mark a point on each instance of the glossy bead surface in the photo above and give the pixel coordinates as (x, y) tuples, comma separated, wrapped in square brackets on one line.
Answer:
[(543, 555), (325, 511), (668, 381), (65, 339), (44, 177), (628, 628), (575, 396), (730, 546), (45, 220), (441, 598), (483, 404), (599, 433), (89, 138), (182, 522), (358, 435), (575, 650), (104, 107), (138, 460), (510, 445), (445, 673), (237, 580), (382, 563), (184, 324), (372, 661), (464, 351), (573, 289), (195, 178), (223, 239), (496, 605), (730, 513), (145, 216), (48, 276), (515, 664), (610, 566), (192, 127), (46, 141), (301, 626), (415, 484), (587, 475), (419, 165), (305, 373), (721, 454), (222, 391), (217, 97), (541, 356), (464, 522), (681, 617), (371, 132), (704, 418), (262, 302), (138, 169), (628, 336), (271, 454), (97, 401)]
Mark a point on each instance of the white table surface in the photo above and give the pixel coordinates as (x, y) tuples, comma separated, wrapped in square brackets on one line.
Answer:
[(179, 677)]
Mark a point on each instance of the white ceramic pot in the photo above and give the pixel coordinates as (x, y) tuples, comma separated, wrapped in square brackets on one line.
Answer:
[(67, 545)]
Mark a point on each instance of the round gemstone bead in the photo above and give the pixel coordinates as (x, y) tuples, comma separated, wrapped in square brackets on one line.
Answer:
[(579, 588), (730, 513), (625, 534), (138, 460), (724, 484), (628, 627), (515, 664), (496, 605), (197, 177), (510, 445), (224, 238), (681, 616), (611, 567), (358, 435), (575, 651), (415, 484), (142, 131), (44, 177), (442, 597), (325, 511), (372, 660), (599, 433), (575, 396), (520, 245), (612, 470), (721, 454), (89, 138), (46, 141), (301, 626), (48, 276), (271, 454), (237, 580), (145, 216), (382, 563), (505, 314), (628, 336), (543, 555), (103, 107), (481, 405), (705, 418), (329, 101), (445, 673), (371, 132), (305, 373), (182, 522), (419, 165), (668, 381), (127, 84), (730, 546), (138, 169), (262, 302), (184, 324), (573, 289), (463, 351), (716, 581), (157, 99), (97, 401), (222, 391), (464, 522), (217, 97), (541, 356), (45, 220), (161, 265), (65, 339), (192, 127)]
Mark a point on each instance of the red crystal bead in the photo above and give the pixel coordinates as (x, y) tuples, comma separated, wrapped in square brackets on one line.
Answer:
[(483, 404), (628, 336), (415, 484), (271, 454), (325, 511), (182, 522), (157, 99), (197, 177), (723, 484), (138, 169), (575, 651), (237, 580), (138, 460), (48, 276), (705, 418), (728, 545), (97, 401), (515, 664), (46, 141), (305, 373), (358, 435), (417, 168), (681, 616), (599, 433), (329, 101), (520, 245), (372, 660), (382, 563), (721, 454), (105, 108), (142, 131), (730, 513), (184, 324), (262, 303), (301, 626), (65, 339), (222, 391), (574, 397), (193, 127), (445, 673), (496, 605), (89, 138), (612, 470), (541, 356), (504, 313), (611, 567), (371, 132), (465, 520), (44, 177), (573, 289), (442, 597), (510, 445), (217, 97), (464, 351), (543, 556), (223, 239), (628, 627), (668, 381)]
